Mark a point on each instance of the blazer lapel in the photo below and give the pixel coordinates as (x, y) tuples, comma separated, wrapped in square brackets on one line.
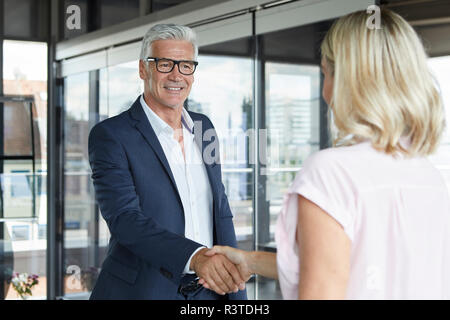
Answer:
[(143, 125)]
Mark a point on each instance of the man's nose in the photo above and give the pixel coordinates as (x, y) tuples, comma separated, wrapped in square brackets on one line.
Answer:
[(175, 74)]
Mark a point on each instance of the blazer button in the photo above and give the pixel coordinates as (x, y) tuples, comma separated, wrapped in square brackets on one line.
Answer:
[(166, 273)]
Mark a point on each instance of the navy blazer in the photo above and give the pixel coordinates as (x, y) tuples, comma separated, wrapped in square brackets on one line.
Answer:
[(139, 200)]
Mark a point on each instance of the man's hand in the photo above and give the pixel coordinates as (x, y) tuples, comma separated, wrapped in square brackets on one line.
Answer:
[(221, 275), (238, 257)]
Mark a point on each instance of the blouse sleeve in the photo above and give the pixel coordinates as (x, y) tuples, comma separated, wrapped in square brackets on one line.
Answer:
[(326, 181)]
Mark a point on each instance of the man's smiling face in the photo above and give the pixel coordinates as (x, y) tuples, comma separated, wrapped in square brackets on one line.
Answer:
[(168, 89)]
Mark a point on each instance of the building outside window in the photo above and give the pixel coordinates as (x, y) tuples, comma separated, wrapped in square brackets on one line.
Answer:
[(24, 135)]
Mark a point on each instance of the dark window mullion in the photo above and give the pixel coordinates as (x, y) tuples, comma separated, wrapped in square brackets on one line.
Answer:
[(94, 98), (93, 15), (323, 120), (55, 218), (16, 157)]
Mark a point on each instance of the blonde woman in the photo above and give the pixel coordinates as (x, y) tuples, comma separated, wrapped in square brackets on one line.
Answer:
[(369, 218)]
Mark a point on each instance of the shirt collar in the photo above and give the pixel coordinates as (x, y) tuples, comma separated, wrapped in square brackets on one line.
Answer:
[(159, 125)]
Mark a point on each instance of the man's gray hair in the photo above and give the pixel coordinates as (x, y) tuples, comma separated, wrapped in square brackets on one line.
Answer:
[(168, 31)]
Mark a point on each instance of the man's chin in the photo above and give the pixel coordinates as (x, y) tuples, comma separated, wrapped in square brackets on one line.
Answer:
[(173, 106)]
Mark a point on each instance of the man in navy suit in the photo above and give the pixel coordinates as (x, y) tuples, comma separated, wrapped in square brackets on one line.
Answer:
[(158, 183)]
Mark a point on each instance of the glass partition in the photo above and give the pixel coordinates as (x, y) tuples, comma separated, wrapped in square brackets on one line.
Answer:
[(23, 144), (293, 115), (292, 119), (223, 91), (80, 265), (120, 85)]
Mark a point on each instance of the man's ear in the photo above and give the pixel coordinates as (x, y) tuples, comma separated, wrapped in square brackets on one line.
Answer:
[(143, 72)]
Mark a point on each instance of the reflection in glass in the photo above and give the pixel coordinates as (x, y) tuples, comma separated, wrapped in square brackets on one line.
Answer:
[(120, 85), (223, 90), (18, 189), (292, 105), (24, 201), (79, 206), (17, 129), (292, 120)]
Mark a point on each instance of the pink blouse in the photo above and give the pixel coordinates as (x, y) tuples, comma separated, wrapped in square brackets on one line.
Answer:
[(396, 212)]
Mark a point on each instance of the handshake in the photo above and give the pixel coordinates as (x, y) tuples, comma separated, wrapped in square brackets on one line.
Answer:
[(225, 269), (222, 269)]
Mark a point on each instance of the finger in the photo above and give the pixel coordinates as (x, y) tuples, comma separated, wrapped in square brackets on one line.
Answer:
[(219, 249), (213, 286), (234, 272), (214, 281), (203, 283), (220, 278), (206, 271), (215, 250), (225, 271)]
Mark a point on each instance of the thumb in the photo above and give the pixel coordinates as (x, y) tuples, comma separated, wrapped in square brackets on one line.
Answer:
[(214, 250), (210, 252)]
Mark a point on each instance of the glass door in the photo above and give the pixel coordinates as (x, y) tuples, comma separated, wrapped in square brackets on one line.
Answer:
[(292, 118), (223, 90), (79, 207)]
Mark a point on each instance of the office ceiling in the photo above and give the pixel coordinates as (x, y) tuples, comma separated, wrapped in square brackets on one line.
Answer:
[(414, 10), (430, 18)]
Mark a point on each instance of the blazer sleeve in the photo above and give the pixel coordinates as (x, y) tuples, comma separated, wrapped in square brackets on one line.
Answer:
[(120, 207)]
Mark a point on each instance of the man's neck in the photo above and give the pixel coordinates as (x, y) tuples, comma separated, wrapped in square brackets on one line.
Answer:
[(171, 116)]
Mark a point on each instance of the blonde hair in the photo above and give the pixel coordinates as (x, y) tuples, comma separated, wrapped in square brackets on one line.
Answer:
[(383, 89)]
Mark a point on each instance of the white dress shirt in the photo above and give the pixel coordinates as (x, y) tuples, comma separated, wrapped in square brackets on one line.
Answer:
[(190, 177)]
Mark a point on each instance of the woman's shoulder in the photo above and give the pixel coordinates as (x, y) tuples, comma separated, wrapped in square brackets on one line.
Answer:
[(338, 156)]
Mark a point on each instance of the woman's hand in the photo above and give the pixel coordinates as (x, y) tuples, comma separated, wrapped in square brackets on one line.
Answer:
[(239, 257)]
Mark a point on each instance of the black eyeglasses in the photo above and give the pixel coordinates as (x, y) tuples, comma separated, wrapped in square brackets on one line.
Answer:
[(165, 65)]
